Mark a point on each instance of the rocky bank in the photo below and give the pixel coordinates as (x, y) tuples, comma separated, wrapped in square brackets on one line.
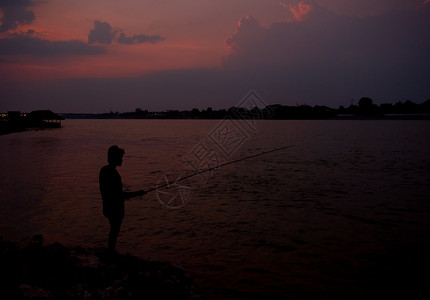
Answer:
[(32, 270)]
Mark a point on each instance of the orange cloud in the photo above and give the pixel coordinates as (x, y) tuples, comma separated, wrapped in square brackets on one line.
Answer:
[(300, 11)]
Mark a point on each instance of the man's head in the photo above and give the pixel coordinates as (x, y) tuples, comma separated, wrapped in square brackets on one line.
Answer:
[(115, 155)]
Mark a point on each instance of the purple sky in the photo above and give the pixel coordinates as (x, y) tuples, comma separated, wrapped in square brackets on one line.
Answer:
[(93, 56)]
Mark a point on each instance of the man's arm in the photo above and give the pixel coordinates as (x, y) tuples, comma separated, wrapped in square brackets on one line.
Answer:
[(128, 195)]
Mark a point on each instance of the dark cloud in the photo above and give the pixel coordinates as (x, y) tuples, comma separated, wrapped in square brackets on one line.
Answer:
[(336, 57), (15, 13), (367, 7), (327, 37), (30, 32), (248, 34), (138, 39), (103, 33), (28, 45)]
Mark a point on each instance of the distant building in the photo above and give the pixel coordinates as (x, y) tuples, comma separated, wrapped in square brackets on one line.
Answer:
[(14, 115), (15, 121), (44, 118)]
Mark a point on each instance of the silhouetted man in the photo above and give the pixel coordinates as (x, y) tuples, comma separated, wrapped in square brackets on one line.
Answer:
[(112, 194)]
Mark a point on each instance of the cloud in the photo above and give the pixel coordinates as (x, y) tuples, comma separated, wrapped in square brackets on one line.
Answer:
[(299, 12), (28, 45), (15, 13), (103, 33), (138, 39), (248, 33), (368, 7), (335, 55), (326, 36)]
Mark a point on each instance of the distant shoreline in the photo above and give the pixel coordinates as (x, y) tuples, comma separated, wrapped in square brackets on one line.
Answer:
[(365, 110), (73, 116), (15, 121)]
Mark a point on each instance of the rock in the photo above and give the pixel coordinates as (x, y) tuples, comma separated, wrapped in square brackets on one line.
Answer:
[(30, 292), (30, 270)]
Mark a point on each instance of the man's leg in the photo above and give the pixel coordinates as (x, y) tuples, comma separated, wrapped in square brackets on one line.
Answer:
[(115, 226)]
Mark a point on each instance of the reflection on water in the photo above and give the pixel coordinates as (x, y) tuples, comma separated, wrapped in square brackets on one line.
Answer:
[(344, 207)]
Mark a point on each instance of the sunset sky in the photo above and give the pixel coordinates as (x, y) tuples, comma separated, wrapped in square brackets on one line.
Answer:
[(101, 55)]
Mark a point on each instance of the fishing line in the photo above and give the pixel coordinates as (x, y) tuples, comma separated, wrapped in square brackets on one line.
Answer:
[(219, 166)]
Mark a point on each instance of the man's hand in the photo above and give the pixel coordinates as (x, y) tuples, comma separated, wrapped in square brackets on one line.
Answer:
[(140, 193)]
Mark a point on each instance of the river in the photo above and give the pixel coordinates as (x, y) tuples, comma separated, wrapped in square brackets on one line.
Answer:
[(343, 210)]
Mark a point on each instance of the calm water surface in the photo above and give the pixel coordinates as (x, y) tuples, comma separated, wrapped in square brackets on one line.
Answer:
[(343, 211)]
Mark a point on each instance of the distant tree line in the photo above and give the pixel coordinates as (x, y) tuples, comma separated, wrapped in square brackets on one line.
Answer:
[(365, 109)]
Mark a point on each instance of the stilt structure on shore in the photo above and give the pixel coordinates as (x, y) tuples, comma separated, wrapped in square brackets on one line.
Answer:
[(15, 121)]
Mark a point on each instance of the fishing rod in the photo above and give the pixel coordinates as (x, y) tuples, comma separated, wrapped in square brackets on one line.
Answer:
[(219, 166)]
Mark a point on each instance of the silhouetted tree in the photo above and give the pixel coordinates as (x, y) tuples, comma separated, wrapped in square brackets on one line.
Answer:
[(410, 107), (140, 112), (365, 103), (386, 108), (195, 112), (367, 107), (425, 107)]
